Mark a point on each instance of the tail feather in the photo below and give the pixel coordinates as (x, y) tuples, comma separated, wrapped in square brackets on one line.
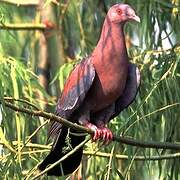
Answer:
[(68, 165)]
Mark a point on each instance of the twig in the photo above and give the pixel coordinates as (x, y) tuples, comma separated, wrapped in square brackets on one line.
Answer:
[(21, 3), (31, 145), (110, 163), (21, 100), (176, 49), (24, 26), (107, 155), (26, 153), (26, 3), (121, 139), (137, 158), (46, 148), (50, 116), (35, 132)]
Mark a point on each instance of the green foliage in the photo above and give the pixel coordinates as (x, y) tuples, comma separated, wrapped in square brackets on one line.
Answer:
[(18, 82), (153, 116)]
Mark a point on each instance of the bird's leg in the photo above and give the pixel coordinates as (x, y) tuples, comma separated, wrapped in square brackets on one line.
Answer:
[(100, 131), (106, 133), (97, 131), (101, 118)]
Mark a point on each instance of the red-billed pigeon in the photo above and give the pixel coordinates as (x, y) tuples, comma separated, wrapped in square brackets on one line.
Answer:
[(97, 90)]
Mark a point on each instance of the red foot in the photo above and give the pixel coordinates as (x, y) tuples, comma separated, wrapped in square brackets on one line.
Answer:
[(107, 134), (103, 133), (97, 131)]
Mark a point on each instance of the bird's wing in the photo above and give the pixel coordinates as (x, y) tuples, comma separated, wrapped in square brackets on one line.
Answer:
[(75, 90), (130, 91)]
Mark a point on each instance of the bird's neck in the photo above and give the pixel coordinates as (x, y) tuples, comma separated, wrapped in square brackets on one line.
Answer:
[(111, 45)]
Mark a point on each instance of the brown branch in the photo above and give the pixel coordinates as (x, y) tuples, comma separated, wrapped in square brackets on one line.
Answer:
[(26, 3), (39, 148), (24, 26), (31, 145), (21, 3), (21, 100), (137, 158), (121, 139)]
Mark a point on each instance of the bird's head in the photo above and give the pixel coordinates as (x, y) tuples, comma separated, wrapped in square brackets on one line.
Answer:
[(121, 13)]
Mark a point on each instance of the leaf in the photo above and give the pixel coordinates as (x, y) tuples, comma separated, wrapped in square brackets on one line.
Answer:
[(5, 142), (120, 174)]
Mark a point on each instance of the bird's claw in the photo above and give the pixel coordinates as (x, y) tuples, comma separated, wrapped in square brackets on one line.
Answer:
[(101, 133), (97, 132), (107, 135)]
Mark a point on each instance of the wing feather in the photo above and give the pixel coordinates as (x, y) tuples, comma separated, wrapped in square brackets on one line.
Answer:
[(130, 91), (74, 93)]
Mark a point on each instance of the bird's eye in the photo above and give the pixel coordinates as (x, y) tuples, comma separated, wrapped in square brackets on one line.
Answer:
[(119, 11)]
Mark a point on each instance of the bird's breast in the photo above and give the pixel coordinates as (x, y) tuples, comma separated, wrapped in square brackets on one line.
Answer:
[(113, 81), (108, 85)]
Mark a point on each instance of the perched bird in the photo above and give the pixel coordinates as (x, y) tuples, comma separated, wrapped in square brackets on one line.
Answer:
[(97, 90)]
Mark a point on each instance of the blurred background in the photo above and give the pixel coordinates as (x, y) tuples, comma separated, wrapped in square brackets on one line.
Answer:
[(41, 41)]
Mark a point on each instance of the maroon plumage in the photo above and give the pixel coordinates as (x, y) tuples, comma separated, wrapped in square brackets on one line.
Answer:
[(97, 90)]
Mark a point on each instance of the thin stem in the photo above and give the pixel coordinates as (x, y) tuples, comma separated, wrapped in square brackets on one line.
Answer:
[(21, 100), (21, 3), (110, 163), (30, 145), (137, 158), (34, 133), (24, 26)]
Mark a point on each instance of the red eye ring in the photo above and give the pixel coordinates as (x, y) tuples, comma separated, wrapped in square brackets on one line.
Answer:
[(119, 11)]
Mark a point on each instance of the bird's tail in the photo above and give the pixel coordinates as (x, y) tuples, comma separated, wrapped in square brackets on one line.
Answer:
[(65, 142)]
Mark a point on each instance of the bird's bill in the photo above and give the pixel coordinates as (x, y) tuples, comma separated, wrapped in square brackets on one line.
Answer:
[(136, 18)]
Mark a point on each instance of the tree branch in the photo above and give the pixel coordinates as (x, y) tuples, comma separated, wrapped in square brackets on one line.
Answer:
[(31, 145), (24, 26), (39, 148), (137, 158), (25, 3), (21, 3), (121, 139)]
